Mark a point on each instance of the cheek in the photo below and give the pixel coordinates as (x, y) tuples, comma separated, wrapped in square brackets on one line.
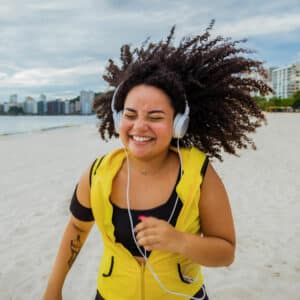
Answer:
[(125, 125), (164, 130)]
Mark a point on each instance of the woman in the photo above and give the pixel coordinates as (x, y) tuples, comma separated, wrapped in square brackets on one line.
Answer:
[(159, 204)]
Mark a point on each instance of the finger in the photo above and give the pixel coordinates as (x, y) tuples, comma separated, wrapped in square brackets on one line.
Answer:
[(151, 220), (146, 233), (154, 246), (139, 227), (148, 241), (146, 223), (141, 217)]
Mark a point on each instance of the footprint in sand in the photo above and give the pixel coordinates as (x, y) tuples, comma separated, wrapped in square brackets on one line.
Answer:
[(276, 274), (38, 214), (21, 230)]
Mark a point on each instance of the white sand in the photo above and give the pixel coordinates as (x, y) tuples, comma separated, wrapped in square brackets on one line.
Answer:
[(38, 175)]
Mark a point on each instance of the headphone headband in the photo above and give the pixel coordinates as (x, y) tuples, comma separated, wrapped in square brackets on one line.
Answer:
[(187, 108), (114, 97)]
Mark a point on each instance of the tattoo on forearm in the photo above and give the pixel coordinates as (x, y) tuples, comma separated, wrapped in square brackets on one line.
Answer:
[(75, 247)]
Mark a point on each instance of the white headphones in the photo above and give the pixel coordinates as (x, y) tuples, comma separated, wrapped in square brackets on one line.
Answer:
[(180, 124)]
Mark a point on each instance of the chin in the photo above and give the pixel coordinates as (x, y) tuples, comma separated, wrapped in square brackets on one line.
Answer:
[(139, 153), (146, 154)]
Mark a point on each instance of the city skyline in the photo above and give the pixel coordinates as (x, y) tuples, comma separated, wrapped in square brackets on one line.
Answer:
[(15, 98), (83, 104), (59, 48)]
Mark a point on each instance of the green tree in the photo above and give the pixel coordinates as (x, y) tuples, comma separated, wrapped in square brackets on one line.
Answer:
[(275, 101), (15, 110), (261, 102), (287, 101), (296, 103)]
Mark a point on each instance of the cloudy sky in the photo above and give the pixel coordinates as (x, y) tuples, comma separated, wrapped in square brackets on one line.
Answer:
[(60, 47)]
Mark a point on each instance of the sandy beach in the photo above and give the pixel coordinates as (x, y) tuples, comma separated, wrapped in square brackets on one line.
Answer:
[(38, 175)]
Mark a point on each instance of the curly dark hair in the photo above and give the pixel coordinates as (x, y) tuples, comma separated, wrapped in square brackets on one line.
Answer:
[(213, 74)]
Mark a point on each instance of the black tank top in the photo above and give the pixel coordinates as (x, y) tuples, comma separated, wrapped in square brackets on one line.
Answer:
[(120, 220)]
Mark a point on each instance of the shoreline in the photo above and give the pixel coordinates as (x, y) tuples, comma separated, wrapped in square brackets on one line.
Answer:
[(55, 127), (28, 124), (40, 130)]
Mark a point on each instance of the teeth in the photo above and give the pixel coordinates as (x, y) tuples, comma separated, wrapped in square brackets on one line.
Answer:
[(141, 138)]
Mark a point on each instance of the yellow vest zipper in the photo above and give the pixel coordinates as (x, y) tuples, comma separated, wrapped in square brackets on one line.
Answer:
[(143, 281)]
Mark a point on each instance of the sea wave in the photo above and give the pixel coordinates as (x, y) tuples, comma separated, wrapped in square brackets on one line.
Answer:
[(12, 125)]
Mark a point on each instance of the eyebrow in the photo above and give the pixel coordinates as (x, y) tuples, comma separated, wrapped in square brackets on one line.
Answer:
[(155, 111)]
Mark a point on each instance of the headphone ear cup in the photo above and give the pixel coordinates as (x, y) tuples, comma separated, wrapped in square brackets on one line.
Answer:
[(117, 116), (180, 125)]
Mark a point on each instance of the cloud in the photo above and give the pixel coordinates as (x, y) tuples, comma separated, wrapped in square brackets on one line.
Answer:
[(2, 75), (42, 77), (261, 25), (62, 45)]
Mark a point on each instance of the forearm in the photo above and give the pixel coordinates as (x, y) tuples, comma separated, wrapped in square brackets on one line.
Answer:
[(71, 244), (207, 251)]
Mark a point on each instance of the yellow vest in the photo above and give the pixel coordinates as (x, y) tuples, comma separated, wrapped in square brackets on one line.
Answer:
[(120, 276)]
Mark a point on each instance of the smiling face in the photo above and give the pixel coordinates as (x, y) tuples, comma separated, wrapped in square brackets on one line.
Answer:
[(147, 123)]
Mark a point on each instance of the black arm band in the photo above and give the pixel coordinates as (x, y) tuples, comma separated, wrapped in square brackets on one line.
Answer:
[(79, 211)]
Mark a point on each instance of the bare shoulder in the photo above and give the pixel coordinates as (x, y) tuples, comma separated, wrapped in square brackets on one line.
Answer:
[(214, 207), (212, 179), (83, 188)]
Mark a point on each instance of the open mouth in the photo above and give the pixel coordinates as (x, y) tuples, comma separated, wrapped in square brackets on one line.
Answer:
[(141, 139)]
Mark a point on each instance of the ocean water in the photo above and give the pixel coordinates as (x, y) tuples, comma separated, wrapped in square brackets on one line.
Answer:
[(21, 124)]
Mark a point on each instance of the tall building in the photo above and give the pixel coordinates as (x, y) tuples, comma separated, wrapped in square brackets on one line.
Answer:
[(267, 80), (30, 106), (86, 102), (77, 107), (6, 107), (295, 78), (67, 107), (13, 98), (55, 107), (42, 105), (72, 107), (286, 80), (43, 97)]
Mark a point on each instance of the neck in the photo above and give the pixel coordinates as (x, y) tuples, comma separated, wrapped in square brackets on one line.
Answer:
[(151, 166)]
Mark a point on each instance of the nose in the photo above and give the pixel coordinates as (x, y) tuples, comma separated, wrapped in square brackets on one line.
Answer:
[(140, 123)]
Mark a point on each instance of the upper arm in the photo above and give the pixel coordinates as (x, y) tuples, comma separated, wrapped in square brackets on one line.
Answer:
[(83, 197), (214, 208), (83, 189)]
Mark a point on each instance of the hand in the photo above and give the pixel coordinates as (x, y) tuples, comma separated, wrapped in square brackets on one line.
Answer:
[(157, 234)]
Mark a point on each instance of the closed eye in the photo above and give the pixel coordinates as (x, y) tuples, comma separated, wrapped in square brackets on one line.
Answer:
[(155, 118), (129, 116)]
